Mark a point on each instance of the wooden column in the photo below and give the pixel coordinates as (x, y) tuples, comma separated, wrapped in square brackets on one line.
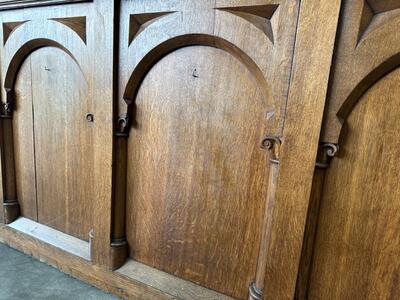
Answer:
[(326, 152), (314, 47), (272, 144), (10, 202), (119, 244)]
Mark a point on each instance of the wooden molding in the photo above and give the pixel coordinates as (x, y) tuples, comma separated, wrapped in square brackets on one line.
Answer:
[(119, 244), (53, 237), (15, 4), (132, 281), (326, 152), (310, 77), (10, 203), (273, 145)]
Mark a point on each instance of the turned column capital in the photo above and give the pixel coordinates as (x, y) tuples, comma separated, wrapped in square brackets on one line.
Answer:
[(273, 145), (122, 126), (326, 152), (7, 108)]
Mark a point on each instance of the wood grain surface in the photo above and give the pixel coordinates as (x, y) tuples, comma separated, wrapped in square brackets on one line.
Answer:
[(60, 64), (307, 95), (54, 143), (357, 245), (197, 177)]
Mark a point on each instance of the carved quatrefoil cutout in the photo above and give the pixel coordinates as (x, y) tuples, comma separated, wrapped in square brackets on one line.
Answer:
[(259, 15), (8, 29), (375, 13), (77, 24), (139, 22)]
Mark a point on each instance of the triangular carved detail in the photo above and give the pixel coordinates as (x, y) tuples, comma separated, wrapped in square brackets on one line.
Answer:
[(139, 22), (379, 6), (366, 17), (8, 29), (77, 24), (374, 14), (259, 15)]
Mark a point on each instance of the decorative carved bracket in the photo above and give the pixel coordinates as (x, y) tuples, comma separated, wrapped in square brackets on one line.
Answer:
[(7, 108), (254, 292), (326, 151), (123, 127), (273, 144)]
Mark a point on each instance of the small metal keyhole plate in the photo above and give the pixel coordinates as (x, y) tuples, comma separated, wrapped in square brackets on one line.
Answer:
[(90, 118)]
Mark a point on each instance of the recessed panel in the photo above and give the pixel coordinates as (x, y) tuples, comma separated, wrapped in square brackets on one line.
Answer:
[(53, 143), (197, 177), (357, 247)]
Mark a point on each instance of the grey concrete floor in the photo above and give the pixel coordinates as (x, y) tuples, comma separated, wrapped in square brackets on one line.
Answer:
[(22, 277)]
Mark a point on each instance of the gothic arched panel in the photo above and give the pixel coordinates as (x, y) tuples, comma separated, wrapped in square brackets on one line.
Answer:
[(197, 177), (357, 243), (53, 142)]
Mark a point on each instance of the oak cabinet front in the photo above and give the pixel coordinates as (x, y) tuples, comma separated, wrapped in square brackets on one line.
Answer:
[(353, 242), (199, 89), (202, 83), (57, 116), (215, 149)]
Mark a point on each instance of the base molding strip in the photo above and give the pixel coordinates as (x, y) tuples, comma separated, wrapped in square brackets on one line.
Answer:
[(125, 283)]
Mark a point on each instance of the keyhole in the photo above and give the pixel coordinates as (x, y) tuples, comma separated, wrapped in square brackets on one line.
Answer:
[(90, 118)]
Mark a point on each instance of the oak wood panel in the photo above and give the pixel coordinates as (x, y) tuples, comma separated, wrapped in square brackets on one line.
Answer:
[(197, 177), (368, 47), (233, 25), (54, 142), (85, 32), (258, 33), (102, 17), (63, 143), (307, 95), (357, 245), (24, 148)]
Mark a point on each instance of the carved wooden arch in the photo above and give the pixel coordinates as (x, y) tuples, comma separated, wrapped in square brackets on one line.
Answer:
[(154, 31), (10, 200), (269, 48), (172, 44), (35, 34), (23, 52), (368, 48), (367, 82), (119, 245)]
